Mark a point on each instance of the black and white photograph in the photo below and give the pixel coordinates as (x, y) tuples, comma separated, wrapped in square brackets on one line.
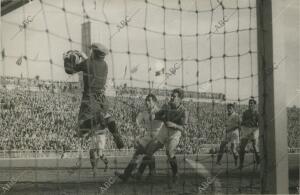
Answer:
[(149, 97)]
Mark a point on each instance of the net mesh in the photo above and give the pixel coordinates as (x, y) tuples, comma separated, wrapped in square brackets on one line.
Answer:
[(207, 48)]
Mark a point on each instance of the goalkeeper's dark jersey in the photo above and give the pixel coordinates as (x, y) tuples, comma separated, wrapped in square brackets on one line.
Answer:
[(94, 105), (94, 75)]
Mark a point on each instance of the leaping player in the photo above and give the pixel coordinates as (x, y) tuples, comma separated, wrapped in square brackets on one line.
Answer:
[(93, 116), (232, 135), (144, 121)]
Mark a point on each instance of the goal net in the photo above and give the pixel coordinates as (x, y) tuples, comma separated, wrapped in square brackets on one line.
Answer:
[(208, 48)]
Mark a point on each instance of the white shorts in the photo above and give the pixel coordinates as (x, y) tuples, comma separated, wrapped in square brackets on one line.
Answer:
[(250, 133), (144, 141), (98, 141), (170, 138), (233, 137), (147, 138)]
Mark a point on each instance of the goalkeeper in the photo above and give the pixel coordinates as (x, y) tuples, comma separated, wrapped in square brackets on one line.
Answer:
[(93, 115)]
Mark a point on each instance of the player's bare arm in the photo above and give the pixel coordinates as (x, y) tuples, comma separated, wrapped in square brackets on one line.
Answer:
[(234, 126), (175, 126)]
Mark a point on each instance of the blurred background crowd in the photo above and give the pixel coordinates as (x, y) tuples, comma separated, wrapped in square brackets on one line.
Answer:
[(47, 120)]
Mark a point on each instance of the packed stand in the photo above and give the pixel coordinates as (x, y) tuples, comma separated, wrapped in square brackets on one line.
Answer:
[(45, 120)]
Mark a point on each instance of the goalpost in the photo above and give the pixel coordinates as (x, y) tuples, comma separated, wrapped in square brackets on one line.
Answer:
[(272, 101)]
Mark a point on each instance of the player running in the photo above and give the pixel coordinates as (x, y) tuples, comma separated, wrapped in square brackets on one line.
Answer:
[(249, 131), (93, 115), (232, 135), (144, 120), (175, 117)]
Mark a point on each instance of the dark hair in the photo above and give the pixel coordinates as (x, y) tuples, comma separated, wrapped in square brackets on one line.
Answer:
[(179, 91), (152, 96), (230, 105), (252, 100)]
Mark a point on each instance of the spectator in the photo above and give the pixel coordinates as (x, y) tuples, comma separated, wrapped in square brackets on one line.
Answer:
[(41, 120)]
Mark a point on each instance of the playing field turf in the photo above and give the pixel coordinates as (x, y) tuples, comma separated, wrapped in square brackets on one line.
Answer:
[(62, 176)]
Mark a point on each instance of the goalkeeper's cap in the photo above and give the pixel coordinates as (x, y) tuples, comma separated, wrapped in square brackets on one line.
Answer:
[(99, 47)]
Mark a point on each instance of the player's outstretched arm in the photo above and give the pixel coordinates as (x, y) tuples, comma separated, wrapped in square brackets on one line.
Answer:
[(172, 125), (74, 62), (181, 124), (81, 66)]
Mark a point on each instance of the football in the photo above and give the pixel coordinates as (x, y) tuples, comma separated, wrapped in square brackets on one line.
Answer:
[(72, 58)]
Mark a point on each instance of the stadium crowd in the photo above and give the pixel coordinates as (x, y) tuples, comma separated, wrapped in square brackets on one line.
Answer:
[(44, 120)]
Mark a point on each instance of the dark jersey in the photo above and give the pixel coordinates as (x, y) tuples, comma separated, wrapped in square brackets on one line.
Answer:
[(94, 75), (250, 119), (94, 105), (176, 115)]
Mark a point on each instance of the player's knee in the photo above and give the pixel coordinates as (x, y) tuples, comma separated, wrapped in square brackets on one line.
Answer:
[(172, 161), (170, 155)]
